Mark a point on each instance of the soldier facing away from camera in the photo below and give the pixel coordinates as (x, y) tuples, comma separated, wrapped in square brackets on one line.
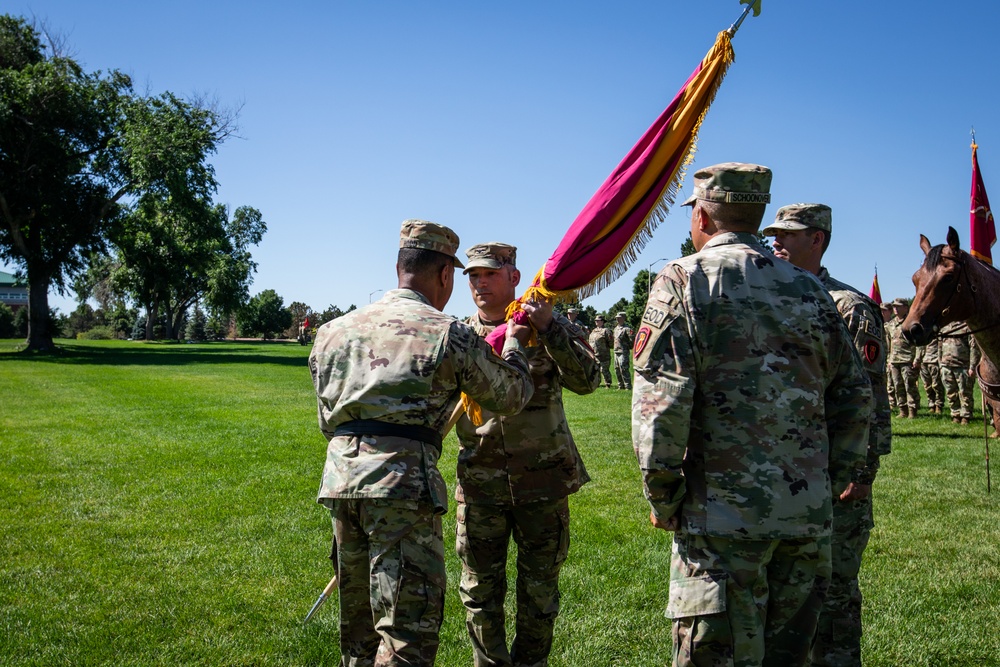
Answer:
[(750, 413)]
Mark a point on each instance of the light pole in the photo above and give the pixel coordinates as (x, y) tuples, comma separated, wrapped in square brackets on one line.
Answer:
[(372, 293), (649, 275)]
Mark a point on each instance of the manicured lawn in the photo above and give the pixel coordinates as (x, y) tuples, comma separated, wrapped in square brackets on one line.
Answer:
[(157, 507)]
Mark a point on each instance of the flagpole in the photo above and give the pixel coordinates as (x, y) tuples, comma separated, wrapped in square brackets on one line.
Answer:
[(736, 26)]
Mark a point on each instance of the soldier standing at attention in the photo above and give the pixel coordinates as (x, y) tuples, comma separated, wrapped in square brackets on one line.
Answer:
[(928, 357), (573, 315), (623, 347), (515, 475), (887, 318), (903, 364), (388, 377), (801, 236), (749, 415), (600, 341), (959, 359)]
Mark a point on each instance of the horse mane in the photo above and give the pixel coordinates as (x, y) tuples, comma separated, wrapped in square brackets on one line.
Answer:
[(934, 256)]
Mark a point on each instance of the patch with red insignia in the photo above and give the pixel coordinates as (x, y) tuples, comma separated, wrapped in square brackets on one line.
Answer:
[(641, 339), (872, 351)]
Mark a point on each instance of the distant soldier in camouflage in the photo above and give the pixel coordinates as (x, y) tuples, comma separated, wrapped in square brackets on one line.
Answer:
[(750, 414), (903, 364), (388, 377), (573, 315), (601, 342), (801, 236), (928, 356), (887, 319), (515, 475), (959, 357), (623, 336)]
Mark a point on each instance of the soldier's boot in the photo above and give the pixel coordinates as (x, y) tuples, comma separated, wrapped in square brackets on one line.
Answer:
[(913, 413), (956, 420), (965, 421), (902, 413)]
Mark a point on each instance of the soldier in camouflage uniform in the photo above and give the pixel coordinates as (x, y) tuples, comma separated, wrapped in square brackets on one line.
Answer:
[(928, 357), (887, 318), (388, 377), (622, 336), (601, 342), (750, 414), (903, 364), (801, 236), (515, 475), (959, 357), (573, 315)]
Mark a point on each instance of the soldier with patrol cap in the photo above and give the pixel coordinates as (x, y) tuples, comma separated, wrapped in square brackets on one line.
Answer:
[(801, 236), (749, 415), (388, 377), (515, 474), (573, 315), (622, 336), (903, 364), (600, 340)]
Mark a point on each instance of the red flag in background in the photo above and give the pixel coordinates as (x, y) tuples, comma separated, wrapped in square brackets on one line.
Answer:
[(984, 233), (876, 293)]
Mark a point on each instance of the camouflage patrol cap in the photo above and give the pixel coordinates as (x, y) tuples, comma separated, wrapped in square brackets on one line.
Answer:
[(425, 235), (732, 183), (801, 216), (900, 302), (573, 310), (599, 318), (620, 314), (490, 255)]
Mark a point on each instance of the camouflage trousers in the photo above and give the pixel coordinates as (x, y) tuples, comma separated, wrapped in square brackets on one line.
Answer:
[(541, 533), (959, 388), (605, 365), (391, 579), (930, 375), (889, 388), (746, 603), (838, 637), (904, 385), (622, 370)]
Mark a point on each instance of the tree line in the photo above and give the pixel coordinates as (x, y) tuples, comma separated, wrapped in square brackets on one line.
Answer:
[(110, 191)]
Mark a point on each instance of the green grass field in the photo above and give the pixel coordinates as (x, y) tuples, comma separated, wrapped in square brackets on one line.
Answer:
[(157, 507)]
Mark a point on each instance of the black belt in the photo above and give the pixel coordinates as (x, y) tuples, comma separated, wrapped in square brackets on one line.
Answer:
[(373, 427)]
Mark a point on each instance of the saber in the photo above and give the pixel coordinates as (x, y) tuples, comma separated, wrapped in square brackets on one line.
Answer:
[(322, 598)]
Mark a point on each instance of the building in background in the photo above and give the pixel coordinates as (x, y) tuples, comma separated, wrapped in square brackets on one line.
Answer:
[(13, 292)]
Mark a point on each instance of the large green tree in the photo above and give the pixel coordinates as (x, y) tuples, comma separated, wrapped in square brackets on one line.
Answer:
[(76, 150), (264, 315)]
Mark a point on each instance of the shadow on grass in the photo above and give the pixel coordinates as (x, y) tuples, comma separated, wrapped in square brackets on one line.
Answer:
[(143, 354)]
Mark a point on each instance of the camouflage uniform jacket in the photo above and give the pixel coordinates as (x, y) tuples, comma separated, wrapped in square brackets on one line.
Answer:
[(958, 348), (623, 338), (864, 322), (600, 341), (750, 406), (930, 353), (404, 362), (901, 351), (530, 456)]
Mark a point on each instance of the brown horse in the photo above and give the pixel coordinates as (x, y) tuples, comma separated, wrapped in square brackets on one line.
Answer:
[(954, 286)]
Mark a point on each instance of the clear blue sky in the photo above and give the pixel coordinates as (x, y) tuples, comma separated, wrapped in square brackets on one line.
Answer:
[(501, 119)]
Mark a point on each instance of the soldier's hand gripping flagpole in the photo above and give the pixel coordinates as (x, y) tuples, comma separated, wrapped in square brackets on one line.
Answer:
[(322, 598)]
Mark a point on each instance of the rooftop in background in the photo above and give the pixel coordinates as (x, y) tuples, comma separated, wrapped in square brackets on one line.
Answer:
[(9, 280)]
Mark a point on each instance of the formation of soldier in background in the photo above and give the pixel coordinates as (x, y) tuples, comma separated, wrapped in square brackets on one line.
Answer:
[(946, 366)]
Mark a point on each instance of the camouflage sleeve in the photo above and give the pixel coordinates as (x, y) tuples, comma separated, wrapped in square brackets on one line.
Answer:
[(848, 405), (662, 398), (500, 384), (974, 353), (573, 356), (919, 356), (864, 323)]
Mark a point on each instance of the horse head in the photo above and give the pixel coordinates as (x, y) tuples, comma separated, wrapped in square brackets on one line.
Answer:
[(945, 293)]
